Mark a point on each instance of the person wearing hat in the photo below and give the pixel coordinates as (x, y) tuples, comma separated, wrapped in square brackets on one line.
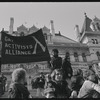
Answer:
[(56, 61)]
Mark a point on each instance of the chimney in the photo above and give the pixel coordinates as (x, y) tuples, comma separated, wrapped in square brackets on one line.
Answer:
[(52, 30), (77, 32), (11, 25)]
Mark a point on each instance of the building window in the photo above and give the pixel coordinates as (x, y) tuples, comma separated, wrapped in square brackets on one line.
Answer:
[(84, 57), (98, 26), (45, 36), (76, 57), (94, 41), (98, 55)]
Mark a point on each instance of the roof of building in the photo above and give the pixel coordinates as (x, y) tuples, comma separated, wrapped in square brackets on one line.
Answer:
[(33, 27), (86, 25), (63, 39), (45, 28), (22, 26)]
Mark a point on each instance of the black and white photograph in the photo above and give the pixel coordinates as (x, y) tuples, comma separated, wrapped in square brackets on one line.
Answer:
[(49, 50)]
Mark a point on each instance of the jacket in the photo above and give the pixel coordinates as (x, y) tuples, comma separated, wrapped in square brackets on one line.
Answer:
[(17, 90)]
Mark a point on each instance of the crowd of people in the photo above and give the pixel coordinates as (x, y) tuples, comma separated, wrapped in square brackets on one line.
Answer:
[(61, 82)]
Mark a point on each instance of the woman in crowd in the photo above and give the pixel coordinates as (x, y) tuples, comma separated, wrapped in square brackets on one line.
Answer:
[(49, 87), (60, 86), (76, 82), (90, 88), (17, 87)]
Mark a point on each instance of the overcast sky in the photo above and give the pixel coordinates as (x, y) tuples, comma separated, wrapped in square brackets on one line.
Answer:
[(64, 14)]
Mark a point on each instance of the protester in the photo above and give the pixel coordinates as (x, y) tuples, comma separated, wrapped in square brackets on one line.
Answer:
[(49, 87), (17, 87), (4, 79), (77, 81), (60, 86), (90, 88), (66, 66), (56, 61), (41, 83), (38, 83), (1, 86), (87, 72)]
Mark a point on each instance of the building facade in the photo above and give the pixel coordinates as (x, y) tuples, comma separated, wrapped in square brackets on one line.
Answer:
[(82, 53)]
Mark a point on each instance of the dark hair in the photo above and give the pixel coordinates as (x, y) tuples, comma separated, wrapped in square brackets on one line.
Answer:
[(93, 78), (54, 73), (55, 50), (90, 66)]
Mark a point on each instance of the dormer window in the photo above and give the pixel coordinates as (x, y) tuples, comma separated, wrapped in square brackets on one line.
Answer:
[(94, 41)]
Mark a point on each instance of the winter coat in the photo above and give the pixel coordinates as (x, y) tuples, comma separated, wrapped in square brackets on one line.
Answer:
[(17, 90), (56, 62), (67, 69), (60, 90)]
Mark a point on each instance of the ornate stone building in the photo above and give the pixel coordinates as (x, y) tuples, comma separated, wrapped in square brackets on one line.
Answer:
[(82, 53)]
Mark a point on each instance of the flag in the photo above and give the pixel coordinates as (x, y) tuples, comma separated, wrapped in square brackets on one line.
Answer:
[(24, 49)]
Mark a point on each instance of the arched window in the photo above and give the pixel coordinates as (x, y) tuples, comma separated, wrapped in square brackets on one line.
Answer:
[(98, 55), (84, 57), (96, 41), (68, 56), (76, 57), (93, 41)]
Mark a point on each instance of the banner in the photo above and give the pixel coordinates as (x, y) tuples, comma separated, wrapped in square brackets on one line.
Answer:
[(24, 49)]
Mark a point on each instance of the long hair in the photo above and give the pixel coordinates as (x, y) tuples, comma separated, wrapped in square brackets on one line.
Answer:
[(53, 74), (18, 74)]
